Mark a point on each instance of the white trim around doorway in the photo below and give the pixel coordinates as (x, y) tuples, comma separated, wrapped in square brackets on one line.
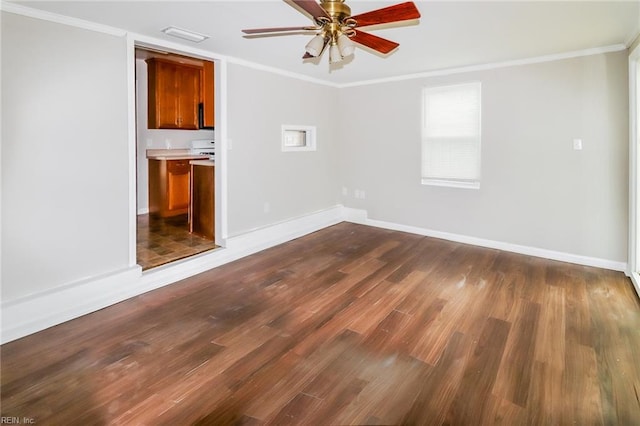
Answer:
[(139, 41), (634, 198)]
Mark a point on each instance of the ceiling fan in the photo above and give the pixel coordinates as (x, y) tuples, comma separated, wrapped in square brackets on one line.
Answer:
[(335, 27)]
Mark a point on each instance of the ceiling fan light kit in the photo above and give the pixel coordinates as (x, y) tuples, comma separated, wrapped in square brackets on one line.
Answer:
[(346, 46), (334, 54), (334, 26), (315, 46)]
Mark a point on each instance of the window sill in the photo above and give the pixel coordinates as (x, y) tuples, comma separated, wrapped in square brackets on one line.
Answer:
[(452, 183)]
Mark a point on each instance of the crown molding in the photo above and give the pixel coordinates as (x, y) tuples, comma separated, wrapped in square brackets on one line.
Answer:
[(274, 70), (80, 23), (144, 40), (632, 39), (493, 65), (141, 40), (60, 19)]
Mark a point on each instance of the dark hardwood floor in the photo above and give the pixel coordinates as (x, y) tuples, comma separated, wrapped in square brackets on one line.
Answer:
[(349, 325)]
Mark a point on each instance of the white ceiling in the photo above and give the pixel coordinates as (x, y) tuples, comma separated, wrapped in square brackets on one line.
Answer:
[(450, 34)]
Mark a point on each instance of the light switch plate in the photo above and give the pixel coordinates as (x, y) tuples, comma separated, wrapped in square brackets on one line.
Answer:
[(577, 144)]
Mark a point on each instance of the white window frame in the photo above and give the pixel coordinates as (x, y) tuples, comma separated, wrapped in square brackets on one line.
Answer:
[(451, 181), (291, 131)]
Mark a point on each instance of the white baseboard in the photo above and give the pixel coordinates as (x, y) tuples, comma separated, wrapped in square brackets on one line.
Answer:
[(635, 279), (144, 210), (27, 315), (31, 314), (361, 217), (239, 246)]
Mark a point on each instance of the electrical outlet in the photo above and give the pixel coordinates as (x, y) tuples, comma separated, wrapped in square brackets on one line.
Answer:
[(345, 191), (266, 208), (362, 195), (229, 144)]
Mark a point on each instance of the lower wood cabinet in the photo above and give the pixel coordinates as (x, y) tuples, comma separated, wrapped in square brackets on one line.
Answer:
[(169, 192), (201, 213)]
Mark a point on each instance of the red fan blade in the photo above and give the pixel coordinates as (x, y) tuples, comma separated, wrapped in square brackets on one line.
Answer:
[(277, 30), (376, 43), (398, 12), (311, 7)]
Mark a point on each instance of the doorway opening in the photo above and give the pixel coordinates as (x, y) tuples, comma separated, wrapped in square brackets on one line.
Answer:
[(175, 193)]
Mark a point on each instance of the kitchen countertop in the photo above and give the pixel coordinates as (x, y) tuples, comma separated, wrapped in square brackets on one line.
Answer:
[(208, 163), (173, 154)]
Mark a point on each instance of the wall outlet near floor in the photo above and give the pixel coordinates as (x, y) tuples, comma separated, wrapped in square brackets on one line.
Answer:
[(345, 191), (266, 208), (359, 194)]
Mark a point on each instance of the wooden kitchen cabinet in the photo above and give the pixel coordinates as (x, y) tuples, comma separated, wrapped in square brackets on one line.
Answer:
[(174, 94), (207, 97), (169, 191), (202, 209)]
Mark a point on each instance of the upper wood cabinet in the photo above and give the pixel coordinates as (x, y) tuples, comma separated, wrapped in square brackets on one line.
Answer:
[(208, 95), (174, 94)]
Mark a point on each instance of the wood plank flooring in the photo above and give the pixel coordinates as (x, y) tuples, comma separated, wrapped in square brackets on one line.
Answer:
[(349, 325)]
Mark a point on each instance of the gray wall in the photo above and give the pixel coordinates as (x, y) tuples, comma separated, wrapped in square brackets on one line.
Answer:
[(535, 190), (291, 183), (65, 160), (64, 155)]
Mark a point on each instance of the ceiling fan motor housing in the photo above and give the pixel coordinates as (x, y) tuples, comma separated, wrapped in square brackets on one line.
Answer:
[(336, 9), (340, 14)]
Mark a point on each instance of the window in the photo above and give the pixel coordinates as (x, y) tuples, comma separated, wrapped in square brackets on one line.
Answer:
[(298, 138), (451, 135)]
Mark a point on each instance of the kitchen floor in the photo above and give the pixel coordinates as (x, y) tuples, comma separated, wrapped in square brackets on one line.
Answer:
[(164, 240)]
